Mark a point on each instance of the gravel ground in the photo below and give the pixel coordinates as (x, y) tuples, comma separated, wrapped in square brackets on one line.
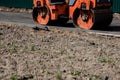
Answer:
[(29, 54)]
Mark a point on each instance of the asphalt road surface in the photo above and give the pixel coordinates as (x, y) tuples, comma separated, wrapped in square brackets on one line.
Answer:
[(26, 19)]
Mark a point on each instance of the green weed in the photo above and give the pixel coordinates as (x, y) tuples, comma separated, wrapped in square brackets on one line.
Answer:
[(105, 60), (75, 73), (14, 77), (45, 53), (14, 48), (59, 76), (33, 48), (60, 52)]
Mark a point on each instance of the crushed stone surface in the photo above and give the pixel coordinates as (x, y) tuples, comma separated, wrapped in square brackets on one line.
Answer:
[(28, 54)]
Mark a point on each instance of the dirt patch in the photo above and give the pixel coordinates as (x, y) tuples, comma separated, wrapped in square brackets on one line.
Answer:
[(23, 10), (27, 54)]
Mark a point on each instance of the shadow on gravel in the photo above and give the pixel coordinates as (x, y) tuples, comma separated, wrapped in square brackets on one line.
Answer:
[(69, 24), (110, 28), (114, 28)]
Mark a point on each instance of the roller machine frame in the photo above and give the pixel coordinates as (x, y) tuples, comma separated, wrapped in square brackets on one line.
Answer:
[(86, 14)]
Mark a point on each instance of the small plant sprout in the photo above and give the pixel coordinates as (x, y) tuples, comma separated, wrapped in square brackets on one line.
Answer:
[(105, 60), (33, 48), (14, 77), (59, 76), (75, 73)]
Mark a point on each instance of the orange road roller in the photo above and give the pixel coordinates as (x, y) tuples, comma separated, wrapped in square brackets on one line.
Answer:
[(86, 14)]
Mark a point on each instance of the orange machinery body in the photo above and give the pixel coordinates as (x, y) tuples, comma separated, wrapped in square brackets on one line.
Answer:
[(54, 10), (90, 4)]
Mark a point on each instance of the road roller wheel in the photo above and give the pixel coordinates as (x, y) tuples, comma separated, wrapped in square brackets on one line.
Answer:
[(92, 19), (102, 21), (41, 15), (83, 19)]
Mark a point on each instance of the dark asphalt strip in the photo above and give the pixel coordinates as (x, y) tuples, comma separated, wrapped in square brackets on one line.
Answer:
[(25, 19)]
